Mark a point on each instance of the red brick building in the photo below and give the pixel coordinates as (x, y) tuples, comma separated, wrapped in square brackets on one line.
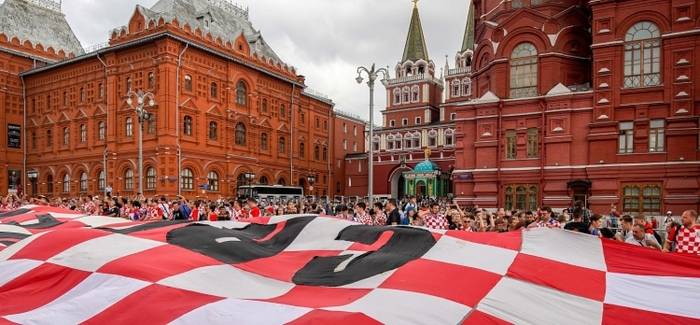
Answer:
[(225, 104), (582, 100)]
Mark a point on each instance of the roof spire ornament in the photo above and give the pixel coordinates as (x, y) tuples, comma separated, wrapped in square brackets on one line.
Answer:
[(415, 3), (415, 49)]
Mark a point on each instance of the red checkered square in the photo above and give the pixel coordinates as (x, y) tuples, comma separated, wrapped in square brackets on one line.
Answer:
[(319, 297), (284, 265), (625, 258), (510, 240), (478, 318), (461, 284), (613, 314), (55, 242), (323, 317)]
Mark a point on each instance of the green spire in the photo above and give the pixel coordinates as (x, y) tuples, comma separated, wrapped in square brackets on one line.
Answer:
[(415, 42), (468, 42)]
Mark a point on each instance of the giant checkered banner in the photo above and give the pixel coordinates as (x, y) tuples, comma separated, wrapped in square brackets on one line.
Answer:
[(65, 268)]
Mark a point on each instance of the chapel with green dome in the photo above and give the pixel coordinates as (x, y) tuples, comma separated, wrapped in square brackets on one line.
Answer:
[(426, 179)]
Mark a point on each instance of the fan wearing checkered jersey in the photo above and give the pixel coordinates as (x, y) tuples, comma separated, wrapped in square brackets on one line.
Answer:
[(291, 270)]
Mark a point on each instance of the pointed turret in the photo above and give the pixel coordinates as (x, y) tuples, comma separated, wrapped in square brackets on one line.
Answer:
[(468, 41), (415, 42)]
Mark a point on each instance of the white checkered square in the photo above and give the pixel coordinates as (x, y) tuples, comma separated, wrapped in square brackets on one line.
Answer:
[(460, 252), (92, 254), (581, 249)]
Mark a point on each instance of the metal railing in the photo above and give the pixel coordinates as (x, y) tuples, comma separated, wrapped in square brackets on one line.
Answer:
[(456, 71), (416, 77), (95, 47), (230, 7), (315, 93)]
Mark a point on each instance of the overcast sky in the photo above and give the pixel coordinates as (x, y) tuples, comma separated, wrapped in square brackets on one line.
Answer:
[(324, 39)]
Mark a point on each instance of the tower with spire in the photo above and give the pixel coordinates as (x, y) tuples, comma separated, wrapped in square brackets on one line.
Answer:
[(414, 95), (458, 78)]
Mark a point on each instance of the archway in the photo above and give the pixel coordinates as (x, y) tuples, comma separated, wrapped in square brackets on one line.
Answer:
[(398, 183), (421, 189)]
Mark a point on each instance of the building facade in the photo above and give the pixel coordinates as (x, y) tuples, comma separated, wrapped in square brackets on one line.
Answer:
[(224, 105), (590, 101)]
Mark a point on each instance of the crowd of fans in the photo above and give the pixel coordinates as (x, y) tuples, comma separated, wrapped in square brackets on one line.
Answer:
[(441, 214)]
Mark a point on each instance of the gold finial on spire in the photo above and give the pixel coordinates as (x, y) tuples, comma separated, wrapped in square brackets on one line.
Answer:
[(415, 3), (427, 150)]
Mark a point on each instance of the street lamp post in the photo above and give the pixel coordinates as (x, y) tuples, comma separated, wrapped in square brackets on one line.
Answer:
[(372, 75), (142, 99), (312, 180)]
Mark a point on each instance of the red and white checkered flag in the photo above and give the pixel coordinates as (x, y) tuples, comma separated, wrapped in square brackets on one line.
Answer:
[(62, 268)]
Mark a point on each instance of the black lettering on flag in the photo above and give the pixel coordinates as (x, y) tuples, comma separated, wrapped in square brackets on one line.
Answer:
[(45, 221), (405, 245), (14, 213), (233, 246)]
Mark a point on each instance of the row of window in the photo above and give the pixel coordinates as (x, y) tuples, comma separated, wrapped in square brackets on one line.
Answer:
[(461, 88), (241, 90), (533, 143), (407, 95), (413, 140), (354, 129), (642, 61), (656, 136)]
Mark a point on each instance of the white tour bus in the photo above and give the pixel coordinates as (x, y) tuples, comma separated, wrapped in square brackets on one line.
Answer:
[(271, 192)]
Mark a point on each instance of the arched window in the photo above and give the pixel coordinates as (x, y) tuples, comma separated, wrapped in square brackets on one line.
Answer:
[(417, 140), (415, 93), (282, 182), (467, 87), (129, 127), (83, 182), (408, 141), (375, 144), (642, 55), (432, 138), (82, 94), (151, 80), (389, 143), (455, 88), (282, 145), (213, 131), (49, 184), (302, 150), (449, 138), (325, 153), (264, 145), (66, 183), (406, 95), (398, 141), (187, 179), (188, 82), (101, 90), (240, 134), (263, 107), (151, 124), (283, 111), (508, 199), (520, 198), (101, 180), (213, 181), (151, 178), (66, 136), (523, 71), (49, 138), (532, 198), (214, 90), (317, 152), (129, 180), (397, 96), (241, 93), (101, 130), (264, 180), (128, 84), (187, 125), (83, 133)]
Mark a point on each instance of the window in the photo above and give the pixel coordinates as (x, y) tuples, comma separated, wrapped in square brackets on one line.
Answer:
[(511, 145), (398, 141), (187, 179), (83, 182), (414, 94), (283, 112), (129, 180), (49, 138), (101, 90), (282, 145), (432, 138), (213, 131), (33, 140), (453, 116), (301, 150), (48, 102), (101, 180), (354, 130), (264, 145), (187, 125), (49, 184), (188, 83), (533, 143), (213, 181), (82, 94), (83, 133), (521, 197), (318, 123), (151, 80), (418, 120), (416, 140), (65, 98), (241, 93), (302, 118), (240, 134), (214, 90), (345, 145), (626, 138), (325, 153), (375, 144), (354, 147), (129, 127), (456, 88), (128, 84), (449, 138), (151, 125), (641, 198), (656, 136), (345, 128), (33, 105), (101, 131), (282, 182), (467, 87), (523, 71), (408, 141), (264, 180), (642, 55), (406, 98), (317, 153), (389, 142), (404, 122), (66, 183), (392, 123), (150, 178), (66, 136), (397, 96), (263, 106)]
